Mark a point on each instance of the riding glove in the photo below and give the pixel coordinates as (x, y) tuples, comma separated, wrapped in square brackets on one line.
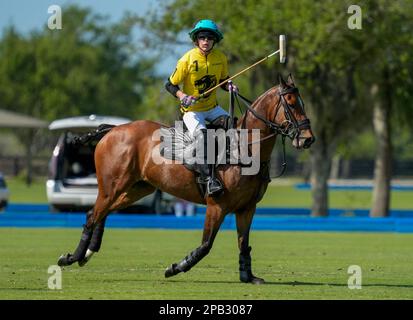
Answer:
[(232, 87), (188, 101)]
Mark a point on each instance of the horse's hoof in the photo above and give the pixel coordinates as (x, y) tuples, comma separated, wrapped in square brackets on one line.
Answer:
[(64, 260), (82, 262), (88, 256), (250, 278), (256, 280), (171, 270)]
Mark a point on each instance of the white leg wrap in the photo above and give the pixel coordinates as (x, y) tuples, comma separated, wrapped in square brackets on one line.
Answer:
[(89, 254)]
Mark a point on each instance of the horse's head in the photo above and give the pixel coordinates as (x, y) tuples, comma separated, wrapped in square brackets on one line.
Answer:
[(290, 117)]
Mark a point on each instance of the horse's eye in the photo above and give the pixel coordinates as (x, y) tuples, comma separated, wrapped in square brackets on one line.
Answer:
[(290, 99)]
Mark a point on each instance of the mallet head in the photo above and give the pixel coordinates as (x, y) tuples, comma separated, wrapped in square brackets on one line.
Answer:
[(283, 48)]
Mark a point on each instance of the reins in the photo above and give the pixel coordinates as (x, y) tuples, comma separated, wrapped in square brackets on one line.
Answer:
[(272, 125)]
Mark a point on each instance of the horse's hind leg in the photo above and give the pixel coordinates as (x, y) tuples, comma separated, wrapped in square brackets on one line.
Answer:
[(244, 220), (138, 191), (213, 219), (117, 174), (93, 219), (107, 196), (95, 241)]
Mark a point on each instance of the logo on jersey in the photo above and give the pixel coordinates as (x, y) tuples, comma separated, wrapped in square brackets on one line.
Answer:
[(205, 83)]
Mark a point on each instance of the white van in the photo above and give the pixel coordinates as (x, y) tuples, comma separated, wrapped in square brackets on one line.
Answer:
[(72, 183)]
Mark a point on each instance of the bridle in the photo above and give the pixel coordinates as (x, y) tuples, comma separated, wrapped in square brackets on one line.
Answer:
[(290, 127)]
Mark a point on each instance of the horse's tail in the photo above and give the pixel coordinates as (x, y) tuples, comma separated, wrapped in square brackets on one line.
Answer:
[(94, 135)]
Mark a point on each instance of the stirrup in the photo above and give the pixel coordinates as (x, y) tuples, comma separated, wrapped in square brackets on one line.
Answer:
[(214, 189)]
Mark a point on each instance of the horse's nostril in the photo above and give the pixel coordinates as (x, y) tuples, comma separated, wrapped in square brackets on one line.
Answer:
[(308, 142)]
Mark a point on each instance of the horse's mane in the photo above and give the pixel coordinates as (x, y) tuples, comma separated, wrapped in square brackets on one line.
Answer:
[(264, 95), (258, 101)]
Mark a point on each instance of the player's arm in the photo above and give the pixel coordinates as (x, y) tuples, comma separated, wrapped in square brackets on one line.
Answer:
[(177, 77), (172, 88)]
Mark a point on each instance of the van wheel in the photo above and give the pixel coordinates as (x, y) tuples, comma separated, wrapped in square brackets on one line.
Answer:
[(3, 205)]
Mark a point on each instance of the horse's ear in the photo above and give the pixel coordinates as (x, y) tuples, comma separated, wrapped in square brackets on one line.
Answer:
[(282, 81), (290, 80)]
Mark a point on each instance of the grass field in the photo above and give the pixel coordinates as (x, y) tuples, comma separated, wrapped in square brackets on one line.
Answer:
[(131, 265), (280, 193)]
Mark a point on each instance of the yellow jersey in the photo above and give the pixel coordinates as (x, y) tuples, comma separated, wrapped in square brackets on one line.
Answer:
[(198, 73)]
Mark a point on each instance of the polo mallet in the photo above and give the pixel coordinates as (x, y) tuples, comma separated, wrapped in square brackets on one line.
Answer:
[(282, 51)]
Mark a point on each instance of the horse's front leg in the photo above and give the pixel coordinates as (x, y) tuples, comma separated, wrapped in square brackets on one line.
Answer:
[(213, 219), (244, 220)]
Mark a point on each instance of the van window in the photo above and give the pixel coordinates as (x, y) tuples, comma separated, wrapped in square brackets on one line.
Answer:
[(77, 160)]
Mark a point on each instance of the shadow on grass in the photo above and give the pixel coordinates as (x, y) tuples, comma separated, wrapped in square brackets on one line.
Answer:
[(191, 282), (267, 283), (296, 283)]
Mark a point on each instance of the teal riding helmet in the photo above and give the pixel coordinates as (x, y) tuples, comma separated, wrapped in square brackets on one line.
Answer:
[(206, 25)]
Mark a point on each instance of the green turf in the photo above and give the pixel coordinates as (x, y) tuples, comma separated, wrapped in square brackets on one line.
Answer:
[(131, 264), (20, 192), (289, 196), (278, 195)]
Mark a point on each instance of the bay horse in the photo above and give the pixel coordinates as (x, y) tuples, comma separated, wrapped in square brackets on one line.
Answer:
[(126, 172)]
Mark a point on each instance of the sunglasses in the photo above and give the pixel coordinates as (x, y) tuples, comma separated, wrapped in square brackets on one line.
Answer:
[(208, 38)]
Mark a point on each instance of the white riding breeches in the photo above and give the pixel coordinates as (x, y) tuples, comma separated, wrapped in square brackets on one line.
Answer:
[(196, 120)]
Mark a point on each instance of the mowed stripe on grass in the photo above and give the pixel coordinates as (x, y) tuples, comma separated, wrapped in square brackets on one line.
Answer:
[(131, 264)]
